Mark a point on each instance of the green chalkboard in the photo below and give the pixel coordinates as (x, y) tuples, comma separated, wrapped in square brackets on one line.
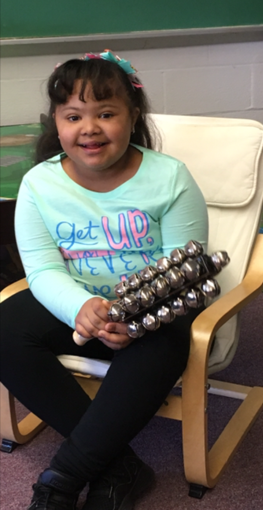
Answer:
[(52, 18)]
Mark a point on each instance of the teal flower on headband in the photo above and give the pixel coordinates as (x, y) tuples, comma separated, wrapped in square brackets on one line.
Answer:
[(124, 64), (108, 55)]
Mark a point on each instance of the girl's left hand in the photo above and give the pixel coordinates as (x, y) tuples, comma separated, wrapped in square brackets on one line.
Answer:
[(115, 335)]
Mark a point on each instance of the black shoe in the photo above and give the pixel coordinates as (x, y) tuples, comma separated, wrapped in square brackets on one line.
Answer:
[(126, 478), (55, 491)]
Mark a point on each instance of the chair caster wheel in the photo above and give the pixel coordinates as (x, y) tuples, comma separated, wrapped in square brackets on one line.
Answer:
[(196, 491), (7, 446)]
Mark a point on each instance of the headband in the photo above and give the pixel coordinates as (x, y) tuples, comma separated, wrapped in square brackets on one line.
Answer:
[(124, 64)]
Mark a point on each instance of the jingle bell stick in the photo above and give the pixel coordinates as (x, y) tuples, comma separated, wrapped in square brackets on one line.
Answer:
[(159, 294)]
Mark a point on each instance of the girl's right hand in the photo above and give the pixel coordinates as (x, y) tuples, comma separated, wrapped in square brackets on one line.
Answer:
[(92, 317), (93, 321)]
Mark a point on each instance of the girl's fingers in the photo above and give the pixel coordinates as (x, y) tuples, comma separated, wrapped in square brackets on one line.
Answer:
[(81, 330), (116, 327), (92, 317), (89, 325), (114, 340), (101, 312)]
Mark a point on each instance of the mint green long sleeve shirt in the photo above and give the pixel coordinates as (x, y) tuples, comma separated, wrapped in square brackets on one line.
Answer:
[(76, 244)]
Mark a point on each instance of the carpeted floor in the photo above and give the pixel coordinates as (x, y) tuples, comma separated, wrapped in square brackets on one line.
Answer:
[(159, 444)]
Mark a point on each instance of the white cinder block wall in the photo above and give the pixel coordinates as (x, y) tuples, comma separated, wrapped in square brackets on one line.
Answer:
[(216, 80)]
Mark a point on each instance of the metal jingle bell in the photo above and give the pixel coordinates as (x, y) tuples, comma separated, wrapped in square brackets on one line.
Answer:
[(210, 288), (177, 256), (175, 278), (160, 286), (135, 329), (191, 269), (163, 264), (134, 281), (193, 249), (148, 273), (145, 296), (166, 314), (179, 306), (121, 288), (130, 303), (194, 298), (151, 322), (116, 313), (220, 259)]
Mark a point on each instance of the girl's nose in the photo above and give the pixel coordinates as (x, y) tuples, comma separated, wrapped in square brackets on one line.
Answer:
[(90, 126)]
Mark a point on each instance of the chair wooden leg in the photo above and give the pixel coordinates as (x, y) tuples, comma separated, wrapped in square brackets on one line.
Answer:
[(196, 491), (203, 467), (11, 431)]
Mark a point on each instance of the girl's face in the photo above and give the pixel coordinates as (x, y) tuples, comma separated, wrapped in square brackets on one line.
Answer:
[(95, 135)]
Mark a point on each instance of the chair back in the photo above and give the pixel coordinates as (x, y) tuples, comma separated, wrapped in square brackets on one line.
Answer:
[(225, 158)]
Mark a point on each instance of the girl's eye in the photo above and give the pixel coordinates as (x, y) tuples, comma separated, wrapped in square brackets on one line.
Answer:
[(106, 115), (73, 118)]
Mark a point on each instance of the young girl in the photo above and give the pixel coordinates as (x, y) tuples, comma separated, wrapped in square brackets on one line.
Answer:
[(99, 206)]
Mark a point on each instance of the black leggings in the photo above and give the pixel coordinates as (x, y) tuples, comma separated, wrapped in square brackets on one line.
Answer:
[(138, 381)]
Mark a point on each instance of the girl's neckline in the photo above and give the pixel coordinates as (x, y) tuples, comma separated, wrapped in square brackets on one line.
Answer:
[(116, 191)]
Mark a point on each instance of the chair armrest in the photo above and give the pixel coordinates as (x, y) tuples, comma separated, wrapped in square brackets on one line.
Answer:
[(210, 320), (201, 465), (13, 289)]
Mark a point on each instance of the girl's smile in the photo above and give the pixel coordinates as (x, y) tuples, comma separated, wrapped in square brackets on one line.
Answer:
[(95, 135), (93, 147)]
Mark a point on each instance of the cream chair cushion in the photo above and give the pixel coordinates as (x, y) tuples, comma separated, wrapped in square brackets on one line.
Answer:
[(223, 156), (77, 364)]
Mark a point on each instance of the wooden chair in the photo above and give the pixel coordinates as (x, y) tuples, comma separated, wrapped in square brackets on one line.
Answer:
[(225, 157)]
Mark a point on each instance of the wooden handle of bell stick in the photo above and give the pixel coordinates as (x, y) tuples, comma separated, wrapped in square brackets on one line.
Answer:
[(80, 340)]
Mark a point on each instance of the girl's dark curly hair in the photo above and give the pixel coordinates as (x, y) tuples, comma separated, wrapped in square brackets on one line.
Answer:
[(107, 79)]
